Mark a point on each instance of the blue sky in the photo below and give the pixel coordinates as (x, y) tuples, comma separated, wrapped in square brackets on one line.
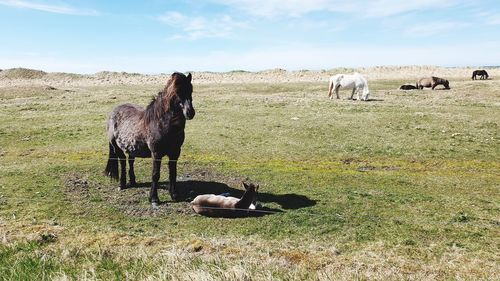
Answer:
[(221, 35)]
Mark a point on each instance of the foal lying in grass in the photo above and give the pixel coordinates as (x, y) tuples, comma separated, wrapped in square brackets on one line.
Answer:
[(221, 206)]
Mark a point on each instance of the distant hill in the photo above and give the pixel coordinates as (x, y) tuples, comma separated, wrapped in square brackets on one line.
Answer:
[(22, 73), (409, 73)]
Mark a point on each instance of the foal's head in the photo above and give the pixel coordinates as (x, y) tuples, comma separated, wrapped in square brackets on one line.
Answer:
[(180, 91), (251, 190)]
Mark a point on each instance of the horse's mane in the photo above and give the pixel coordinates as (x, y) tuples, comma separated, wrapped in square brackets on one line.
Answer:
[(160, 104)]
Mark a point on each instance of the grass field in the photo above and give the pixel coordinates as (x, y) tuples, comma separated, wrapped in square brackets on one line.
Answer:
[(405, 186)]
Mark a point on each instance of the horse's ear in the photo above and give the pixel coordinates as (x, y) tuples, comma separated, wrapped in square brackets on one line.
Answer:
[(245, 185), (189, 77), (257, 188)]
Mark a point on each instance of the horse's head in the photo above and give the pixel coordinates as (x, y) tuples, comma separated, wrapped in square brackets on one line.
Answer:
[(252, 190), (182, 94), (446, 84)]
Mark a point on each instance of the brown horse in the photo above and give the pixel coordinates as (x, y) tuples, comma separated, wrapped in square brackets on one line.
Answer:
[(432, 82), (153, 132), (221, 206), (481, 73)]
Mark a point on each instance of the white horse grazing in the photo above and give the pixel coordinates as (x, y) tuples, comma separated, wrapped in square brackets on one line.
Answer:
[(355, 81)]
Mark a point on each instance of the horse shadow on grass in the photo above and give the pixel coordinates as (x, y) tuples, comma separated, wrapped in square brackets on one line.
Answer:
[(189, 189)]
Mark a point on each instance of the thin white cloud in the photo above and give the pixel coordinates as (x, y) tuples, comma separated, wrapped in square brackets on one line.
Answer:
[(197, 27), (432, 28), (273, 8), (356, 8), (384, 8), (491, 18), (50, 8)]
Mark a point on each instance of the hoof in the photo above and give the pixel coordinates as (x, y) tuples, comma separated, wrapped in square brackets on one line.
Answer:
[(175, 197), (155, 205), (131, 184), (122, 187), (174, 194), (154, 200)]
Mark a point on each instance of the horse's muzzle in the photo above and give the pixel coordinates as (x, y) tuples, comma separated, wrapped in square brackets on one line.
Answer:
[(188, 110), (190, 114)]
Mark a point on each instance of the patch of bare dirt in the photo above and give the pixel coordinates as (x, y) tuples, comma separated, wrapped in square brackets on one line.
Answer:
[(366, 168), (76, 183), (134, 201)]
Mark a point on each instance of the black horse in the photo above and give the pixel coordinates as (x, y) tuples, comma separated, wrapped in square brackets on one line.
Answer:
[(153, 132), (481, 73), (408, 87)]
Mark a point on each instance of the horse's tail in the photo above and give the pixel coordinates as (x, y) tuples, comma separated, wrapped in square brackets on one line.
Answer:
[(330, 87), (112, 165)]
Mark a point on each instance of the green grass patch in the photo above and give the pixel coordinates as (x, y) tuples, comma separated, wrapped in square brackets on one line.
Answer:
[(404, 186)]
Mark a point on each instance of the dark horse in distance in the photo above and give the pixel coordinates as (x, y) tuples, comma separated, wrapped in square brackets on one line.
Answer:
[(153, 132), (407, 87), (481, 73)]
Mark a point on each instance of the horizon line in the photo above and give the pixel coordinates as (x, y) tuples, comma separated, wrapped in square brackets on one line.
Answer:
[(257, 71)]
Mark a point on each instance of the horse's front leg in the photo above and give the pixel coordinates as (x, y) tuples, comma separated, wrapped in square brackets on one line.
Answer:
[(153, 193), (352, 94), (337, 92), (172, 177), (358, 92)]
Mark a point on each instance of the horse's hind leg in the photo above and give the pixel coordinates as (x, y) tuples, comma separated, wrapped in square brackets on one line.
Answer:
[(353, 91), (337, 91), (123, 168), (131, 172)]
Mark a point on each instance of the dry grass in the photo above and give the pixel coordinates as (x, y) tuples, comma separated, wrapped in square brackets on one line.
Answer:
[(251, 258)]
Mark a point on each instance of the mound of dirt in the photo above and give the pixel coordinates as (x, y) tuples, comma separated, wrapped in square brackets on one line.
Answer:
[(113, 74), (22, 73), (64, 76)]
